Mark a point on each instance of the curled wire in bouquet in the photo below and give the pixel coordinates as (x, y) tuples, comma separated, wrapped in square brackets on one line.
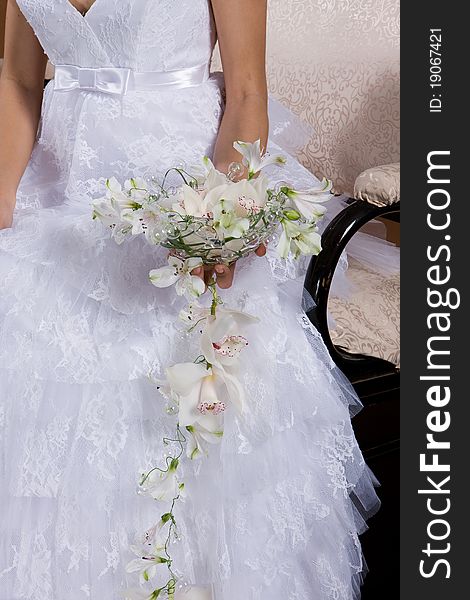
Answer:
[(210, 218)]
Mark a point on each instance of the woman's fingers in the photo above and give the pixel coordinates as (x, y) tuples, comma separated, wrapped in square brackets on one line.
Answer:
[(209, 274), (261, 250), (205, 272), (224, 275), (199, 272)]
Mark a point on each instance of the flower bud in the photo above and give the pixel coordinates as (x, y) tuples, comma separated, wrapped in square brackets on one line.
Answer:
[(292, 214)]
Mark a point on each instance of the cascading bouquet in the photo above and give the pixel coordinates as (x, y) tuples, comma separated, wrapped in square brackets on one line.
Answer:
[(210, 218)]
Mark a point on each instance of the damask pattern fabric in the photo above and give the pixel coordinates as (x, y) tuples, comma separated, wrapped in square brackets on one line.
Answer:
[(341, 76), (277, 510), (368, 321)]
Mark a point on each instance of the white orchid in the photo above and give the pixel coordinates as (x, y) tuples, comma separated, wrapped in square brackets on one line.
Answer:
[(199, 392), (178, 273), (191, 202), (246, 197), (229, 321), (221, 342), (298, 238), (150, 552), (202, 388), (308, 202), (254, 158), (162, 485)]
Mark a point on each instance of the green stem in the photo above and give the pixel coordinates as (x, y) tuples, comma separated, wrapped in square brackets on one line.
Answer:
[(215, 298)]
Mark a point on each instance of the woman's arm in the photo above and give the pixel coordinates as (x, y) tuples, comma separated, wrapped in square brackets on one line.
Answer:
[(241, 31), (21, 88)]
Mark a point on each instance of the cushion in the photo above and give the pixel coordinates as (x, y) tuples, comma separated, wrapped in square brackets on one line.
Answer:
[(379, 185), (368, 321)]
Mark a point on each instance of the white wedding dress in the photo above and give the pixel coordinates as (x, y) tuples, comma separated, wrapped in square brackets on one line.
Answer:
[(274, 513)]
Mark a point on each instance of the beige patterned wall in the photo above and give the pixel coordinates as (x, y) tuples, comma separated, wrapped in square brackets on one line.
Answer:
[(335, 63)]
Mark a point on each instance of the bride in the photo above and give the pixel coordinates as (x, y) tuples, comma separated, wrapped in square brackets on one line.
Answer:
[(276, 509)]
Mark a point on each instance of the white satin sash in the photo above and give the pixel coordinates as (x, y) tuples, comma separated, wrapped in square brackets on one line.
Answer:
[(119, 80)]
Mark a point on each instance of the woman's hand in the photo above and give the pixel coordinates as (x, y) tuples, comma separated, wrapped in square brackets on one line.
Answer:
[(223, 274), (7, 206)]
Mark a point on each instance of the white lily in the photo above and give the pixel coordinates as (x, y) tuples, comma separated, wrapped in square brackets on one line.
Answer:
[(213, 177), (137, 189), (150, 553), (308, 202), (107, 212), (109, 209), (134, 219), (194, 314), (152, 222), (298, 238), (199, 437), (230, 346), (162, 485), (118, 195), (178, 273), (145, 220), (207, 176), (254, 158), (226, 222)]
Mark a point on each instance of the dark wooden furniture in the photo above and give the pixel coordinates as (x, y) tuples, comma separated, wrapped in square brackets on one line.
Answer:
[(377, 383)]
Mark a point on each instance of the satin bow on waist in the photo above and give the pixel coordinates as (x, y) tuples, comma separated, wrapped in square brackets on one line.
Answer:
[(119, 80)]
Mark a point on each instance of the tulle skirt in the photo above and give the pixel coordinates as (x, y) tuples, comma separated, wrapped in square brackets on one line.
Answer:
[(274, 512)]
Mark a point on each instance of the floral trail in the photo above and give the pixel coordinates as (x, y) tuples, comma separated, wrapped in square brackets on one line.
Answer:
[(210, 218)]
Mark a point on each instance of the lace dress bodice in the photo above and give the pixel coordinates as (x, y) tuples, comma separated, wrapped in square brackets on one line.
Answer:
[(86, 136), (145, 35)]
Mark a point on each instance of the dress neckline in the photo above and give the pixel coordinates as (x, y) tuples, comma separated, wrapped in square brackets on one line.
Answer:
[(85, 13)]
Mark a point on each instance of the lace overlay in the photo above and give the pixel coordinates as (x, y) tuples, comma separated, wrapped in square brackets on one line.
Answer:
[(270, 513)]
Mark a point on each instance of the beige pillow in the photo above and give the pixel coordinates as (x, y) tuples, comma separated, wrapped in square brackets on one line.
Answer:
[(379, 185)]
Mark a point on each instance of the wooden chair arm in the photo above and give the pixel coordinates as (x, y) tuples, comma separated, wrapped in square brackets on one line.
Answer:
[(318, 283)]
